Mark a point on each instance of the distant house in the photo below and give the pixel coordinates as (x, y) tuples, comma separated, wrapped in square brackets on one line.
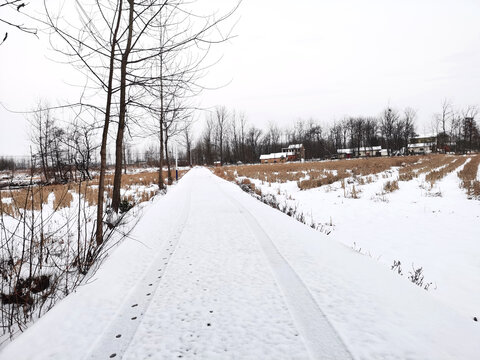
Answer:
[(293, 152), (276, 157), (297, 149), (362, 152), (425, 144)]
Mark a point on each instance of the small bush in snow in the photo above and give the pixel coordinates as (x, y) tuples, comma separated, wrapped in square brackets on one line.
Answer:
[(125, 206), (416, 275)]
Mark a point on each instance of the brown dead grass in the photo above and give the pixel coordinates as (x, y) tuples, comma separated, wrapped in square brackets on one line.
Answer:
[(63, 197), (424, 165), (315, 174), (468, 175), (438, 174), (224, 173), (145, 178), (63, 194), (390, 186), (35, 198), (8, 209)]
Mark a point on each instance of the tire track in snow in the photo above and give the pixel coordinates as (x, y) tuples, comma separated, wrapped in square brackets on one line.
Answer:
[(321, 339), (118, 335)]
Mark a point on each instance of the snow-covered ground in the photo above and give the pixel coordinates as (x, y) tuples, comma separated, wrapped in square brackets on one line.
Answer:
[(211, 273), (436, 228)]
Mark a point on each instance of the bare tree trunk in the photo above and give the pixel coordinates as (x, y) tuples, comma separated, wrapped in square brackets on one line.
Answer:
[(117, 180), (161, 184), (170, 179), (103, 148), (124, 160)]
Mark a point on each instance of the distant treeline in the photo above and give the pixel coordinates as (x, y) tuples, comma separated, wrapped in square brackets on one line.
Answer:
[(228, 138), (13, 163)]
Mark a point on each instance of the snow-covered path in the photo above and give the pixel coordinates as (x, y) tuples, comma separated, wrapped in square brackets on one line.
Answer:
[(215, 274), (320, 337)]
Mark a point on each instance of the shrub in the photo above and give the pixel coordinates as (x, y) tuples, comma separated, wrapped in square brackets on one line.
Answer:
[(125, 206)]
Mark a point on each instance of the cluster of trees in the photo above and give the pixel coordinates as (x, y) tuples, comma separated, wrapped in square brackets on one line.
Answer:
[(142, 61), (228, 138), (63, 152), (457, 129), (10, 164), (140, 65)]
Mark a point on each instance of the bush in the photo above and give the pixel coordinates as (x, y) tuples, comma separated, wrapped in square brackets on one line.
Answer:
[(125, 206)]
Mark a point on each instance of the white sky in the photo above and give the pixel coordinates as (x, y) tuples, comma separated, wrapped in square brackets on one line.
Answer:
[(321, 59)]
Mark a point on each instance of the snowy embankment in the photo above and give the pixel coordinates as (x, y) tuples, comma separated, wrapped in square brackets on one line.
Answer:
[(211, 273)]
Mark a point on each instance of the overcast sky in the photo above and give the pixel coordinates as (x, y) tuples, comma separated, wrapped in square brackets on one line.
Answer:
[(322, 59)]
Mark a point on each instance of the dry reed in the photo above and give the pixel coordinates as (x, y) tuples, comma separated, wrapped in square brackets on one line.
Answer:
[(390, 186), (436, 175), (314, 174), (38, 196), (424, 165), (468, 175)]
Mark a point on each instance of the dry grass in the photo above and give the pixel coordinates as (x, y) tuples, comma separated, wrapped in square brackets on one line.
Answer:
[(35, 198), (224, 174), (145, 178), (314, 174), (63, 197), (424, 165), (390, 186), (469, 177), (326, 178), (8, 209), (435, 175), (63, 194)]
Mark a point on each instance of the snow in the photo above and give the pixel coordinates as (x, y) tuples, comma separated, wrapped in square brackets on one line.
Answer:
[(235, 279), (435, 228)]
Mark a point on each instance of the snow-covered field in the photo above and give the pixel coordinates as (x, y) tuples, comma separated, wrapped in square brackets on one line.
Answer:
[(434, 228), (209, 272)]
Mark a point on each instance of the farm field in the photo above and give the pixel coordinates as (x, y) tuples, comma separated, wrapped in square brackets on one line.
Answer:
[(419, 216)]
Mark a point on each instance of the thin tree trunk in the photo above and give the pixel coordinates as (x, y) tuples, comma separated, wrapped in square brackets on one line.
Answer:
[(124, 161), (117, 180), (103, 148), (170, 179), (161, 183)]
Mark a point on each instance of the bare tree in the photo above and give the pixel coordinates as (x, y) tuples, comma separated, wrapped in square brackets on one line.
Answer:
[(188, 139), (469, 126), (221, 121), (409, 116), (388, 123), (88, 48), (117, 180)]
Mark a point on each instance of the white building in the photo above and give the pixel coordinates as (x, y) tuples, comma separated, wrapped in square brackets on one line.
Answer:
[(363, 151)]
